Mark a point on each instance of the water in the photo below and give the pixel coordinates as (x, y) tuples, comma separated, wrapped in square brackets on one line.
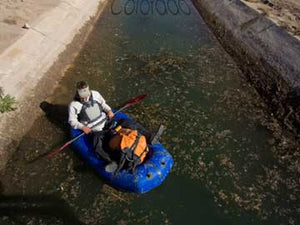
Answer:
[(216, 128)]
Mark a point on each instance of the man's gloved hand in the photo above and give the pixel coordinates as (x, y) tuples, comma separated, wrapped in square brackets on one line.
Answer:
[(86, 130)]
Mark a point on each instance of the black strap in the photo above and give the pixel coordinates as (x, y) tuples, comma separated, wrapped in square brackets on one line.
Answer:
[(134, 146), (121, 163), (136, 142), (128, 154), (145, 150)]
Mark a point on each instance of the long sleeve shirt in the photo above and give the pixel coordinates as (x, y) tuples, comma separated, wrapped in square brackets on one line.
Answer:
[(76, 106)]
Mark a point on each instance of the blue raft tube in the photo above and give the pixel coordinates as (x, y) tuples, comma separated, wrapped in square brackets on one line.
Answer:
[(150, 174)]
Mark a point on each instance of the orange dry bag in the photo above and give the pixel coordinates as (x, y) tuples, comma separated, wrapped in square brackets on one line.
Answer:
[(132, 144)]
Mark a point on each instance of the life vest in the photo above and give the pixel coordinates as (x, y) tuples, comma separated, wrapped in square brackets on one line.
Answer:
[(132, 144), (91, 112)]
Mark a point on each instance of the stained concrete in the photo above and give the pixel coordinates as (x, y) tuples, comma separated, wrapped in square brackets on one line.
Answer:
[(267, 54)]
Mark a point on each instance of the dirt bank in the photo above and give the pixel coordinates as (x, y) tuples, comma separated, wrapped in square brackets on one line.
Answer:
[(285, 14), (32, 65)]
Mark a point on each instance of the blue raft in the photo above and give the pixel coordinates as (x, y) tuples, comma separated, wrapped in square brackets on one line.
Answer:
[(149, 175)]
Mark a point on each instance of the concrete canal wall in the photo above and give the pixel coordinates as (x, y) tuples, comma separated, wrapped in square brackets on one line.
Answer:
[(267, 54), (31, 67)]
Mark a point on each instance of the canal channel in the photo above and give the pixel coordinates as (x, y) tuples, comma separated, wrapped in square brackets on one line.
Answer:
[(216, 129)]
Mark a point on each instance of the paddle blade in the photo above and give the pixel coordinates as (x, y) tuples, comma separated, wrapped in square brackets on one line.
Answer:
[(49, 156), (135, 100), (131, 102)]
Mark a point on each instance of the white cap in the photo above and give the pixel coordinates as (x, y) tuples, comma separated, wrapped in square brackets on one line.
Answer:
[(84, 92)]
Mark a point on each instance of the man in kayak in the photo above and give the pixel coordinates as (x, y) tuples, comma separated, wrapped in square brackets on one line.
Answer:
[(88, 111)]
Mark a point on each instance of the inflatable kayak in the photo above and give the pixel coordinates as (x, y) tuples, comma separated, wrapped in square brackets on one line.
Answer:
[(150, 174)]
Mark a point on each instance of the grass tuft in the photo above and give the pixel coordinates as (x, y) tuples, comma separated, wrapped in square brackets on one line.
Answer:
[(7, 102)]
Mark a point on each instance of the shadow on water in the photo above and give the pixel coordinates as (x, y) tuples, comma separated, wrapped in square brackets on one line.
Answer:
[(56, 113), (12, 207)]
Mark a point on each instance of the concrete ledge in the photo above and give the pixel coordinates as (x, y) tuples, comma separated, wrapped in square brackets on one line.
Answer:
[(267, 54), (25, 62), (31, 67)]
